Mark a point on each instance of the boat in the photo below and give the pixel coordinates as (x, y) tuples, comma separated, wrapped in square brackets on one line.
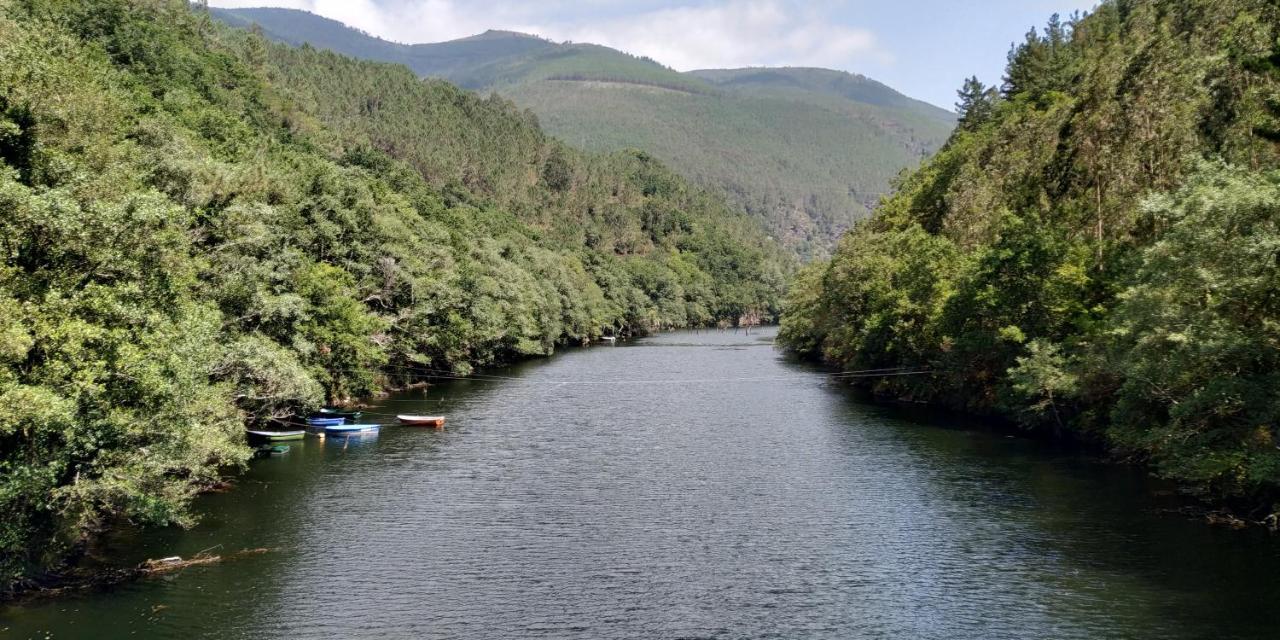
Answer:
[(276, 436), (268, 450), (350, 416), (350, 429), (421, 421), (325, 422)]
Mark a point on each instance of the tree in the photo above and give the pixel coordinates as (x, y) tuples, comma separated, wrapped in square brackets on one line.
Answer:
[(1041, 64), (1198, 336), (977, 102)]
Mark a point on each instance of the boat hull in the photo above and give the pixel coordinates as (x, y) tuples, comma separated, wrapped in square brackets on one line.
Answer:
[(349, 416), (276, 436), (326, 422), (350, 429), (267, 450), (421, 421)]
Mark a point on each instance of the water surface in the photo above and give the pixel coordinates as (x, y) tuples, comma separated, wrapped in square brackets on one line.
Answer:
[(689, 485)]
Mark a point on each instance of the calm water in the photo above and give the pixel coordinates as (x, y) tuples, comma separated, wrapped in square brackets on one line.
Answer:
[(670, 498)]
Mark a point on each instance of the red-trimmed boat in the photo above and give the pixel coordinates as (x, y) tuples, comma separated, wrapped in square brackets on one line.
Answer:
[(421, 421)]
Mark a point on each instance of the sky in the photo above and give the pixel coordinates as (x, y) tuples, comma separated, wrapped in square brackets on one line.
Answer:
[(923, 48)]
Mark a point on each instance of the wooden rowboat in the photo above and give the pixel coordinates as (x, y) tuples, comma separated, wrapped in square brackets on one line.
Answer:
[(276, 436), (268, 450), (422, 421), (347, 429), (326, 422), (349, 416)]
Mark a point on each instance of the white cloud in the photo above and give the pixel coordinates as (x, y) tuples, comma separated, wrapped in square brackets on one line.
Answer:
[(736, 33), (399, 20), (720, 33)]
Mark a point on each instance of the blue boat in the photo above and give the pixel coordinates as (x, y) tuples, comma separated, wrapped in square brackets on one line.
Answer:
[(350, 429), (349, 416), (325, 422)]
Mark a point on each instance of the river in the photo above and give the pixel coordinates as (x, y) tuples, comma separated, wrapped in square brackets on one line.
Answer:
[(687, 485)]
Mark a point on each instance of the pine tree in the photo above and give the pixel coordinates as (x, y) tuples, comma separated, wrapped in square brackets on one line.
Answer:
[(1041, 63), (977, 103)]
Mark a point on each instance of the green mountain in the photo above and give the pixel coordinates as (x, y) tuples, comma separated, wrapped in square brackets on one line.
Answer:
[(807, 151), (203, 229), (443, 60), (1095, 253)]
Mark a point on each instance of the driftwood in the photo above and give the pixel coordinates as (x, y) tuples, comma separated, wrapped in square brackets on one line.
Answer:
[(176, 563), (79, 581), (1225, 518)]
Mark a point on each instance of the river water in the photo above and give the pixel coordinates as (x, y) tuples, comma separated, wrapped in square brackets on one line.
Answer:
[(688, 485)]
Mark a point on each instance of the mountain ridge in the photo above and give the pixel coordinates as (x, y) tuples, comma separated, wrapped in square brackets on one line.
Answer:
[(807, 151)]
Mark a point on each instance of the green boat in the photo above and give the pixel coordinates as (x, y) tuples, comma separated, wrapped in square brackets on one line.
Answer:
[(276, 436), (270, 450)]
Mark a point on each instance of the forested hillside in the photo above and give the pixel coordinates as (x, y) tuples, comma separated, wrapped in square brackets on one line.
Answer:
[(808, 164), (806, 151), (202, 229), (1096, 250)]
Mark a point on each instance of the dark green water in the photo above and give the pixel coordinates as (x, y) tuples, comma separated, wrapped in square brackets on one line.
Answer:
[(661, 495)]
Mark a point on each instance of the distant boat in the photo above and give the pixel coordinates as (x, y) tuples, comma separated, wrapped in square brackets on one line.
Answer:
[(351, 416), (350, 429), (609, 339), (325, 422), (422, 421), (276, 436)]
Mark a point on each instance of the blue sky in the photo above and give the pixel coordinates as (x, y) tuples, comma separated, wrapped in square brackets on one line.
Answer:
[(924, 48)]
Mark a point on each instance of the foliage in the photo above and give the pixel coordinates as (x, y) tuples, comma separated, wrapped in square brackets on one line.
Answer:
[(1197, 335), (202, 229), (1111, 218)]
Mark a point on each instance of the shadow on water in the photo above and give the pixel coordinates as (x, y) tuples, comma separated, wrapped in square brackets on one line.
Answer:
[(1102, 534)]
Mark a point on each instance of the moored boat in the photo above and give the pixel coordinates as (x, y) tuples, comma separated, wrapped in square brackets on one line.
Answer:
[(349, 429), (421, 421), (349, 416), (325, 422), (276, 436), (268, 450)]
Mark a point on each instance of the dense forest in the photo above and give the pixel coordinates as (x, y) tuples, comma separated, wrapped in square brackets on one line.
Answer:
[(1095, 253), (806, 161), (202, 229), (806, 151)]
